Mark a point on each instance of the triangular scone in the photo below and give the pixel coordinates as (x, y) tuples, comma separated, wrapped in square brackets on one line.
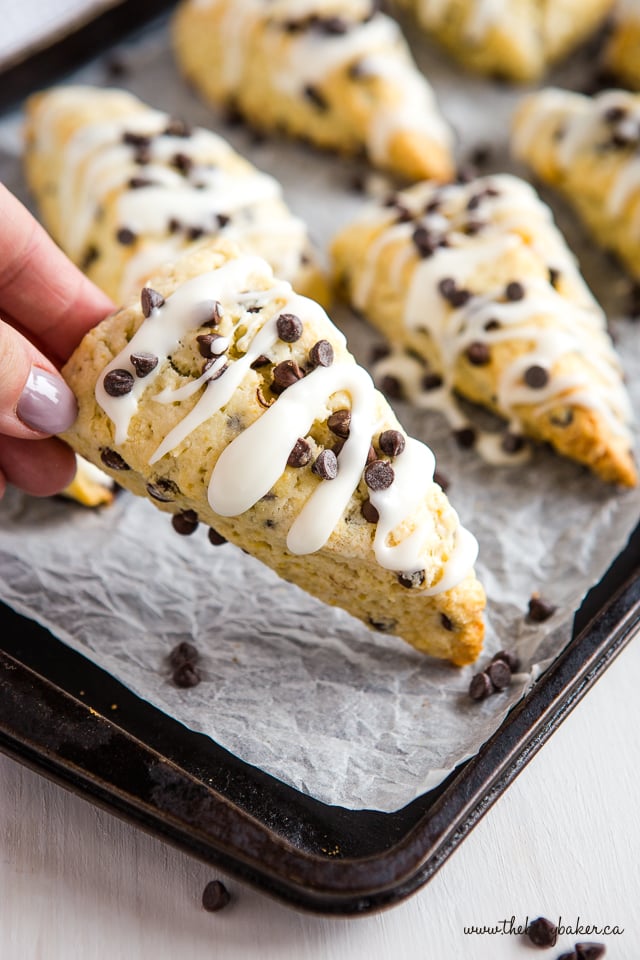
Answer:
[(514, 39), (225, 397), (337, 73), (589, 149), (124, 188), (622, 51), (477, 280)]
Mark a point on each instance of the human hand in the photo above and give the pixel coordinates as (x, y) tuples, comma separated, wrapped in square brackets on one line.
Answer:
[(46, 306)]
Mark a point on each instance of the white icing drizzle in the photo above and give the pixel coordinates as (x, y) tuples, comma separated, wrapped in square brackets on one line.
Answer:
[(484, 14), (253, 462)]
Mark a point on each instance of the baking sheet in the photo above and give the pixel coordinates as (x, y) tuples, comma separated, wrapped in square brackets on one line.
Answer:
[(300, 690)]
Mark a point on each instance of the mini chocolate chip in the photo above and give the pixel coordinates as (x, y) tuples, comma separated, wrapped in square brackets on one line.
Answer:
[(554, 276), (143, 363), (465, 437), (465, 174), (205, 341), (285, 374), (539, 610), (339, 423), (261, 361), (372, 455), (289, 327), (458, 298), (185, 522), (184, 653), (424, 241), (562, 419), (137, 183), (174, 225), (182, 162), (186, 676), (590, 951), (91, 254), (163, 489), (412, 580), (326, 465), (142, 155), (392, 442), (478, 353), (262, 400), (136, 139), (446, 622), (223, 220), (216, 373), (177, 128), (315, 97), (492, 324), (211, 313), (379, 475), (215, 896), (113, 460), (369, 512), (301, 454), (118, 382), (337, 447), (391, 387), (512, 442), (441, 480), (536, 377), (473, 227), (614, 114), (334, 26), (379, 352), (383, 624), (571, 955), (514, 291), (542, 932), (480, 686), (150, 300), (194, 233), (511, 659), (321, 354), (125, 236), (216, 538), (499, 674), (432, 381), (474, 201)]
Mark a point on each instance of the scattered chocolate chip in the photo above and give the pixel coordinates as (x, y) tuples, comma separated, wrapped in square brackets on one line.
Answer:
[(321, 354), (182, 162), (186, 676), (150, 300), (216, 373), (326, 465), (163, 489), (590, 951), (499, 674), (211, 312), (118, 382), (315, 97), (492, 324), (539, 610), (383, 624), (215, 896), (536, 377), (138, 183), (289, 327), (185, 522), (184, 653), (91, 254), (465, 437), (480, 686), (478, 353), (412, 580), (425, 242), (113, 460), (432, 381), (205, 343), (446, 622), (514, 291), (301, 454), (379, 352), (285, 374), (441, 480), (143, 363), (392, 442), (391, 387), (512, 442), (223, 220), (369, 512), (261, 361), (262, 399), (125, 236), (507, 656), (216, 538), (542, 932), (177, 128), (339, 423), (379, 475), (459, 298)]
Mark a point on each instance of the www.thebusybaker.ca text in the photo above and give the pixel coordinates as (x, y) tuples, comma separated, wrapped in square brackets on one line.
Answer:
[(579, 928)]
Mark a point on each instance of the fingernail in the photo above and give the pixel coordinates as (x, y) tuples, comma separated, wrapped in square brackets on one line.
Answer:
[(46, 403)]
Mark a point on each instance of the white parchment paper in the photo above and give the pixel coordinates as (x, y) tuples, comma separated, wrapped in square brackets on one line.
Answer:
[(299, 689)]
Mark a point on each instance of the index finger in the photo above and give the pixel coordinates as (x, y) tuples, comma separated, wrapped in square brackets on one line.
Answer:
[(39, 286)]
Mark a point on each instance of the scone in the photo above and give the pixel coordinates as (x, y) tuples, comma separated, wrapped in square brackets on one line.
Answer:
[(588, 148), (622, 51), (477, 281), (226, 398), (337, 73), (512, 40), (124, 188)]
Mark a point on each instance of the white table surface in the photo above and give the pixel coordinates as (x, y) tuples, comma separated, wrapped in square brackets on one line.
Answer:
[(564, 840)]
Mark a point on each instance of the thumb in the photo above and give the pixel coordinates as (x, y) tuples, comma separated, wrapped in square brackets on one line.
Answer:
[(34, 399)]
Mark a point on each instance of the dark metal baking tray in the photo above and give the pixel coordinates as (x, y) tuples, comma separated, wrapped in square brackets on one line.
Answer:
[(66, 718)]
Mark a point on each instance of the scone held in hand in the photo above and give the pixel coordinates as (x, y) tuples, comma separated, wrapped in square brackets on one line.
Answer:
[(227, 398)]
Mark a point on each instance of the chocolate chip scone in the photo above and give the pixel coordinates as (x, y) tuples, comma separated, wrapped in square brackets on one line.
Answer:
[(513, 40), (477, 281), (124, 188), (622, 50), (589, 148), (337, 73), (226, 398)]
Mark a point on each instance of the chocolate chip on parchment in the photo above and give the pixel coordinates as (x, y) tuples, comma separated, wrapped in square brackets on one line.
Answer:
[(301, 454), (514, 291), (536, 377), (186, 676), (412, 580), (216, 538), (261, 361), (538, 609), (143, 363), (542, 932), (340, 422), (392, 442), (326, 465), (285, 374), (150, 300), (321, 354), (590, 950), (185, 522), (215, 896), (480, 686), (379, 475), (478, 353), (507, 656), (289, 327), (118, 382), (125, 236), (113, 460), (184, 652), (369, 512), (499, 674), (163, 490)]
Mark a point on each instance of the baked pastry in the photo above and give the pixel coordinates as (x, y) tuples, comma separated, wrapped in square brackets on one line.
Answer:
[(477, 281), (513, 40), (337, 73), (228, 399), (588, 148), (622, 50), (123, 188)]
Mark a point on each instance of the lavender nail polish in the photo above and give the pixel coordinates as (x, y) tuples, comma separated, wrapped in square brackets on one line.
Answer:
[(46, 403)]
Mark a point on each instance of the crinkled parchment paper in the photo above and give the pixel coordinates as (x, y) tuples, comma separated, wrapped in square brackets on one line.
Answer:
[(301, 690)]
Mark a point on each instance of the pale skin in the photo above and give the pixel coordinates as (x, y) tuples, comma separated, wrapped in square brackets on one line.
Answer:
[(46, 306)]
